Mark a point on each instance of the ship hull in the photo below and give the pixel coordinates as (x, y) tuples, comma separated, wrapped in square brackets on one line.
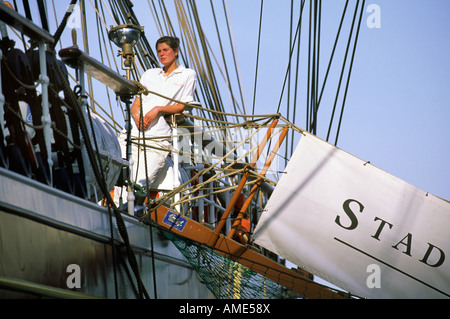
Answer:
[(62, 243)]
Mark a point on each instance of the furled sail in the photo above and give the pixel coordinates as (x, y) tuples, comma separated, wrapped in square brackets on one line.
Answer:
[(357, 226)]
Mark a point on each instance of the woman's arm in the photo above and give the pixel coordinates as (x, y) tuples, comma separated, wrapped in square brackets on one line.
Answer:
[(172, 109), (135, 110), (167, 109)]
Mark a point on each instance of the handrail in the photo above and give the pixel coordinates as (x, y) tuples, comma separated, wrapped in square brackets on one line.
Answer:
[(75, 58), (15, 20)]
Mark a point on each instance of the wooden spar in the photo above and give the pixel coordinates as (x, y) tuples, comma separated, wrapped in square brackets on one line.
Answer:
[(258, 183), (74, 57), (252, 164), (191, 230)]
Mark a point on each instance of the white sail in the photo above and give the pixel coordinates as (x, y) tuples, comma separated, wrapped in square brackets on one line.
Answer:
[(357, 226)]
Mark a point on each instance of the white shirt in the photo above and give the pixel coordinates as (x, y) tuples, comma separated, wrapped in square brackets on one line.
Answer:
[(179, 85)]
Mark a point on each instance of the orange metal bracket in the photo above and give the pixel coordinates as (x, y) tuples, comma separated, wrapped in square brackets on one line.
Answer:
[(189, 229), (252, 164), (258, 182)]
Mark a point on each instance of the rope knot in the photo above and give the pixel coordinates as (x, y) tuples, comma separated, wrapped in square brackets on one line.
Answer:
[(142, 88), (250, 124)]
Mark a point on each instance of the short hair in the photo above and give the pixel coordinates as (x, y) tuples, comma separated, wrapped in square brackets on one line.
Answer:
[(172, 42)]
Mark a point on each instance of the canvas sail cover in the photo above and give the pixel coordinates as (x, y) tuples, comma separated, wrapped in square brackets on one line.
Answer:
[(357, 226)]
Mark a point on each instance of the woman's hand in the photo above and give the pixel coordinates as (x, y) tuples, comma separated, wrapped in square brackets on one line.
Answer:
[(148, 118)]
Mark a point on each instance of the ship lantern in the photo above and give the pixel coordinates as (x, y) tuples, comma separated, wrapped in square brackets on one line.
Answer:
[(125, 36)]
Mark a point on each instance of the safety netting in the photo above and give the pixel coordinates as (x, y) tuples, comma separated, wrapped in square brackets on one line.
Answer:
[(226, 278)]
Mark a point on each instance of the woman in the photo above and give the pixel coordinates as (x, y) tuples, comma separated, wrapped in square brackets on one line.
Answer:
[(172, 81)]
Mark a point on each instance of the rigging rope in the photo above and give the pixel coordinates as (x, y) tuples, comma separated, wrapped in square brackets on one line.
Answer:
[(343, 67), (257, 56), (216, 176), (235, 60), (349, 72), (235, 106), (147, 182)]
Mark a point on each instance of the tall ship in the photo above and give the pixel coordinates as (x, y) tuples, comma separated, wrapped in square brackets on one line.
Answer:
[(246, 206)]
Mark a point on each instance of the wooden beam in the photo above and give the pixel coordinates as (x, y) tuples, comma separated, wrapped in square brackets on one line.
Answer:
[(74, 57)]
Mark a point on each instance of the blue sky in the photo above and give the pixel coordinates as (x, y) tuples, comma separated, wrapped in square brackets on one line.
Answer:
[(397, 112)]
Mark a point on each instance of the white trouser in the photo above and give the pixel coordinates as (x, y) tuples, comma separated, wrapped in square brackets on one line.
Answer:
[(154, 159)]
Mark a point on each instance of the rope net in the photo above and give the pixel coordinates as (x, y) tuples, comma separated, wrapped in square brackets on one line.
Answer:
[(225, 278)]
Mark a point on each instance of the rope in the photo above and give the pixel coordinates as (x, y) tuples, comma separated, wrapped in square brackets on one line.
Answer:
[(302, 4), (98, 14), (184, 186), (257, 56), (11, 73), (62, 26), (147, 181), (349, 73), (213, 178), (230, 34), (200, 186), (41, 127), (145, 91), (189, 190), (120, 223), (343, 67)]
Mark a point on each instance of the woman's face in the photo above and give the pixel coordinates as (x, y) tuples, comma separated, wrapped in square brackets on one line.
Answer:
[(166, 54)]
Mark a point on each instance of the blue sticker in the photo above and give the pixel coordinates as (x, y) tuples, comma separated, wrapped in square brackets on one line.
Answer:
[(175, 220), (29, 118)]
